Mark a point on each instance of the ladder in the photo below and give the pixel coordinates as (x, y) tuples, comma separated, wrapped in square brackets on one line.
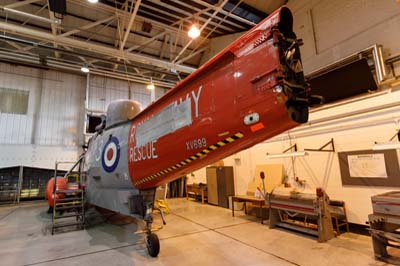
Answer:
[(69, 208)]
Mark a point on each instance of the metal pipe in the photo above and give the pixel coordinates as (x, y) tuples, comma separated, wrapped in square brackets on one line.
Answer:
[(86, 106), (87, 91), (20, 177), (28, 15), (380, 68)]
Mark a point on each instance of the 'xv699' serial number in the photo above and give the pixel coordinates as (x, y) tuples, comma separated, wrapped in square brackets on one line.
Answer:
[(196, 144)]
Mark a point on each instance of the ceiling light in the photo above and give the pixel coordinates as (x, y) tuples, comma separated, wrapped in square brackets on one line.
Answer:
[(194, 31), (85, 69), (286, 154), (93, 1), (386, 146), (151, 85)]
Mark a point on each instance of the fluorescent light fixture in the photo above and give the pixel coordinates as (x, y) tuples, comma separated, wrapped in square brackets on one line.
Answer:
[(286, 154), (93, 1), (85, 69), (386, 146), (194, 32)]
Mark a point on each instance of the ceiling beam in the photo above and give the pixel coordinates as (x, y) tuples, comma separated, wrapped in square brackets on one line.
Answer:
[(95, 48), (216, 11), (204, 11), (88, 26), (182, 12), (29, 15), (201, 2), (21, 3), (78, 56), (112, 10), (132, 19), (54, 28), (162, 50), (179, 22), (190, 16), (16, 46), (36, 12), (146, 42), (208, 35), (192, 55), (71, 66)]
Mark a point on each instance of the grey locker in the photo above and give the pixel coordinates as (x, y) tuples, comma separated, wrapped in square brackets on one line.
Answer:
[(220, 185)]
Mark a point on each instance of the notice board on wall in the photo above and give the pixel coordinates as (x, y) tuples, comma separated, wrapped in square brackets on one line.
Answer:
[(370, 168)]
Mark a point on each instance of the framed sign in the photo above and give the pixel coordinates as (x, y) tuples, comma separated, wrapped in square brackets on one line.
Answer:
[(370, 168)]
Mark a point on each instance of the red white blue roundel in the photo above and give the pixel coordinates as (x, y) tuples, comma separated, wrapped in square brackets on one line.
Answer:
[(110, 155)]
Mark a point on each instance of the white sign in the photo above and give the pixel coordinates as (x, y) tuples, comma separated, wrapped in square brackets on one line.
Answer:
[(367, 165)]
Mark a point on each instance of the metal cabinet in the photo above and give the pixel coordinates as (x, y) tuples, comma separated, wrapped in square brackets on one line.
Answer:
[(220, 185)]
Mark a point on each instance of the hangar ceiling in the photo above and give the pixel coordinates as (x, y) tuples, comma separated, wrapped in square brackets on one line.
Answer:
[(136, 40)]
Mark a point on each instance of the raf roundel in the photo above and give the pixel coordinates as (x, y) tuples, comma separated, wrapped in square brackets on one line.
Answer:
[(110, 155)]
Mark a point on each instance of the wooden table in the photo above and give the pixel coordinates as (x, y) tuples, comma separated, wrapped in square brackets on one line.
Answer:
[(197, 190), (245, 199)]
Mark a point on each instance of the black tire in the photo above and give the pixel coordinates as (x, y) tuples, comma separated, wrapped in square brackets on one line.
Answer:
[(298, 112), (153, 245)]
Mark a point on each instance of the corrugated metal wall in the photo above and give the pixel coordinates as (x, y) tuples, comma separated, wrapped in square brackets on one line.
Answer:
[(54, 107), (103, 90), (53, 124)]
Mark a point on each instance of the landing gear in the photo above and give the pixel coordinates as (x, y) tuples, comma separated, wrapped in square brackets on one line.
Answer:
[(142, 206), (152, 241)]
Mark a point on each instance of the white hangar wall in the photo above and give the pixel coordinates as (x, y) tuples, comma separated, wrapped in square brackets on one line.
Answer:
[(52, 127), (340, 28), (103, 90), (332, 30), (321, 169)]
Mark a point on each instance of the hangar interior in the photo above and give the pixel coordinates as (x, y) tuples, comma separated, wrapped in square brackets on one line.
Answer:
[(62, 65)]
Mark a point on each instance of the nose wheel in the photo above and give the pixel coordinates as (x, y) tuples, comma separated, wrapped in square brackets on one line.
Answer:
[(153, 244)]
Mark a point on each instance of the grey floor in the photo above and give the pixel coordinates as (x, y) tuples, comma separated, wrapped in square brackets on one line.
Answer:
[(195, 234)]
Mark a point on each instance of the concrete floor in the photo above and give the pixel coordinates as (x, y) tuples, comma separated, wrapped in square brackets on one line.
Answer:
[(195, 234)]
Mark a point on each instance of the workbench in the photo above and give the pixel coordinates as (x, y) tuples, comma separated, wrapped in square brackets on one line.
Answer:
[(260, 202), (286, 207), (196, 190)]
